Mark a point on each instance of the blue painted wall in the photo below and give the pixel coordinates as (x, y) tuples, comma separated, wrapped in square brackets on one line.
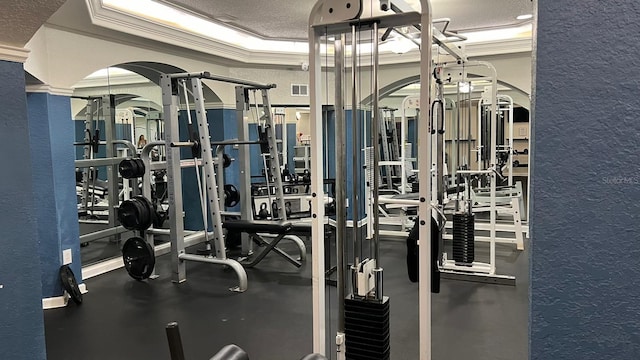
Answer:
[(22, 327), (51, 133), (585, 281)]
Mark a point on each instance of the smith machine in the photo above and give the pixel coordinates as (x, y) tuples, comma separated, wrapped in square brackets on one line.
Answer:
[(138, 213), (211, 191)]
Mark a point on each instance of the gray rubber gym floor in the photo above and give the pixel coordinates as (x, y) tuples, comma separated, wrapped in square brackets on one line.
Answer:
[(124, 319)]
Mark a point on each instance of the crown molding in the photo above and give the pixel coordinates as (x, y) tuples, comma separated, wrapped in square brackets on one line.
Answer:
[(144, 28), (113, 80), (13, 53), (48, 89)]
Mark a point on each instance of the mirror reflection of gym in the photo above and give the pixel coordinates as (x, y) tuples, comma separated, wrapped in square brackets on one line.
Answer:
[(105, 112)]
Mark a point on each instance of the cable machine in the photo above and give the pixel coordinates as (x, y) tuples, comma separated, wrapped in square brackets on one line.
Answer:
[(351, 24)]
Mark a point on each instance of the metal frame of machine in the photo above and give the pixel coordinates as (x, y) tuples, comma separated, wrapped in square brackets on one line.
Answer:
[(339, 18), (211, 190)]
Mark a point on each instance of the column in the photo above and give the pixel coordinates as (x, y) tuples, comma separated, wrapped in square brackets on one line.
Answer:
[(22, 326)]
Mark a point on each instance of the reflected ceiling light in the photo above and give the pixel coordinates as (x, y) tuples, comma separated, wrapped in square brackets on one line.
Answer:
[(397, 45), (402, 45), (166, 15), (112, 71), (465, 87), (524, 17), (518, 32)]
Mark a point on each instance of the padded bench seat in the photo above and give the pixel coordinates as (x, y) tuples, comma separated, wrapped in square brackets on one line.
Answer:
[(258, 226)]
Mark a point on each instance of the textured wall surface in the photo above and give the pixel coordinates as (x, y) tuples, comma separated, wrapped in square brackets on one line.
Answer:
[(586, 184), (21, 324), (51, 133)]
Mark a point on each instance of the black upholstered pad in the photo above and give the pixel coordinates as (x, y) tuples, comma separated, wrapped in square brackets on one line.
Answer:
[(258, 226)]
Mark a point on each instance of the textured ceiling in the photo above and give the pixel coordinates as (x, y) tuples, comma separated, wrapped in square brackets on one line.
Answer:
[(19, 20), (288, 19)]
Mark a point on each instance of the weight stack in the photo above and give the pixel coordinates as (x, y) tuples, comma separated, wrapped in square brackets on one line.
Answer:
[(367, 329), (463, 238)]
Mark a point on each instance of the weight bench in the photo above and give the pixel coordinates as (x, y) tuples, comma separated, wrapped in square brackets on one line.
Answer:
[(258, 229), (229, 352)]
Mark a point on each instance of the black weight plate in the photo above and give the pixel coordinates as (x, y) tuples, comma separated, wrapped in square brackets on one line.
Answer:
[(141, 168), (131, 168), (147, 213), (70, 284), (136, 213), (128, 214), (125, 168), (232, 195), (139, 258), (226, 161)]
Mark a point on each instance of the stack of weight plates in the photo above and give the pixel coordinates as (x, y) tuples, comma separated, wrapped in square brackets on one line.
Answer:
[(367, 329), (463, 238)]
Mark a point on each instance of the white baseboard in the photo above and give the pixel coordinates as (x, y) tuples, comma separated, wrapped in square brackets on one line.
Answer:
[(60, 301), (55, 302), (101, 268)]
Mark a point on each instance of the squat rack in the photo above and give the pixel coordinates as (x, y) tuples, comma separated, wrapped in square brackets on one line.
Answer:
[(170, 85)]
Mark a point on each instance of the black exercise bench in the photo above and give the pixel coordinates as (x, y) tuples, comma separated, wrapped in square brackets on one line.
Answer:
[(256, 227), (229, 352)]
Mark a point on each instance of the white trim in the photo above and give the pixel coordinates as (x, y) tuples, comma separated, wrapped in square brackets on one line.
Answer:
[(48, 89), (101, 268), (12, 53), (62, 300), (55, 302)]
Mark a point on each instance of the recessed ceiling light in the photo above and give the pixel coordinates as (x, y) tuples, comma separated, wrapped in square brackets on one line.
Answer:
[(524, 17)]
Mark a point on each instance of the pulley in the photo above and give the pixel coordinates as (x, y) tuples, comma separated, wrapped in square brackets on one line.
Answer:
[(139, 258)]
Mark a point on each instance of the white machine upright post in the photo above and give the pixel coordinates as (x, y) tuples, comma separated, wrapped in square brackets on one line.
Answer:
[(244, 158), (424, 164), (274, 156), (174, 178), (109, 112), (208, 169), (169, 86), (88, 152), (317, 191)]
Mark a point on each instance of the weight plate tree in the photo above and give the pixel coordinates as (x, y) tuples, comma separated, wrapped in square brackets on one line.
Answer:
[(139, 258)]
